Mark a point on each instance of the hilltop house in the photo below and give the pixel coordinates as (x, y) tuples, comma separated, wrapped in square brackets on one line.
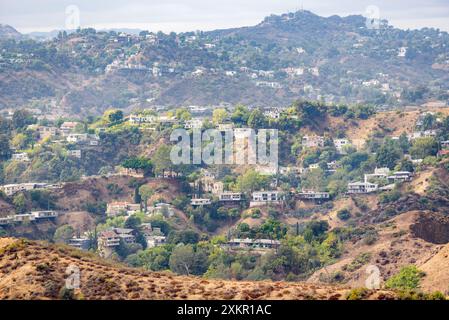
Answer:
[(400, 176), (341, 145), (378, 173), (362, 187), (225, 127), (422, 134), (266, 197), (139, 119), (81, 243), (261, 244), (200, 202), (273, 113), (48, 214), (313, 195), (11, 189), (230, 196), (109, 239), (74, 153), (195, 123), (44, 131), (313, 141), (117, 208), (164, 209), (68, 127), (21, 157)]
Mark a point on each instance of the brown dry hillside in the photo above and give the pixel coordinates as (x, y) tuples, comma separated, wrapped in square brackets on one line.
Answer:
[(37, 270)]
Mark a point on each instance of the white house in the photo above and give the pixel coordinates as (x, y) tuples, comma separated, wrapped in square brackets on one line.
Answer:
[(313, 195), (341, 145), (266, 197), (362, 187), (401, 176), (230, 196), (155, 241), (312, 141), (200, 202), (195, 123), (67, 127), (11, 189), (253, 244), (116, 208), (44, 214), (138, 119), (74, 153), (21, 157)]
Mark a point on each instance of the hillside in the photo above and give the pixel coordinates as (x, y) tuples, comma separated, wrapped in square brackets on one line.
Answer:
[(283, 58), (36, 270)]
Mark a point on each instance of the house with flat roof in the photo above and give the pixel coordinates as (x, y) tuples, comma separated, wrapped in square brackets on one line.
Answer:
[(312, 141), (49, 214), (313, 195), (68, 127), (230, 196), (341, 145), (266, 197), (81, 243), (246, 244), (195, 123), (117, 208), (21, 157), (200, 202), (11, 189), (362, 187), (400, 176)]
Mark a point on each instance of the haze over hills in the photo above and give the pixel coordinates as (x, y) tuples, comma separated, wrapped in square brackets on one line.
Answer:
[(295, 55)]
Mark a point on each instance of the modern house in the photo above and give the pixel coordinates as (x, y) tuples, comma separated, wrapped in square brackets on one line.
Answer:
[(21, 157), (81, 243), (74, 153), (266, 197), (253, 244), (117, 208), (341, 145), (155, 241), (44, 214), (313, 141), (11, 189), (400, 176), (313, 195), (195, 123), (109, 239), (139, 119), (200, 202), (68, 127), (362, 187), (230, 196)]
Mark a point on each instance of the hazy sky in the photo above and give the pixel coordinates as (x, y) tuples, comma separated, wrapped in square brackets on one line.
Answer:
[(190, 15)]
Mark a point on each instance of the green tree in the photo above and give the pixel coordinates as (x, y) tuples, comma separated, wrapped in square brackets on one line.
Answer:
[(407, 279), (22, 118), (5, 149), (251, 181), (240, 115), (63, 234), (257, 120), (219, 116), (146, 192), (388, 154), (182, 260), (115, 116), (424, 147)]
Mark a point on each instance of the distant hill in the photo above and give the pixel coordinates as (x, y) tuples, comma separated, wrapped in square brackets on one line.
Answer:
[(283, 58), (40, 273), (8, 32)]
